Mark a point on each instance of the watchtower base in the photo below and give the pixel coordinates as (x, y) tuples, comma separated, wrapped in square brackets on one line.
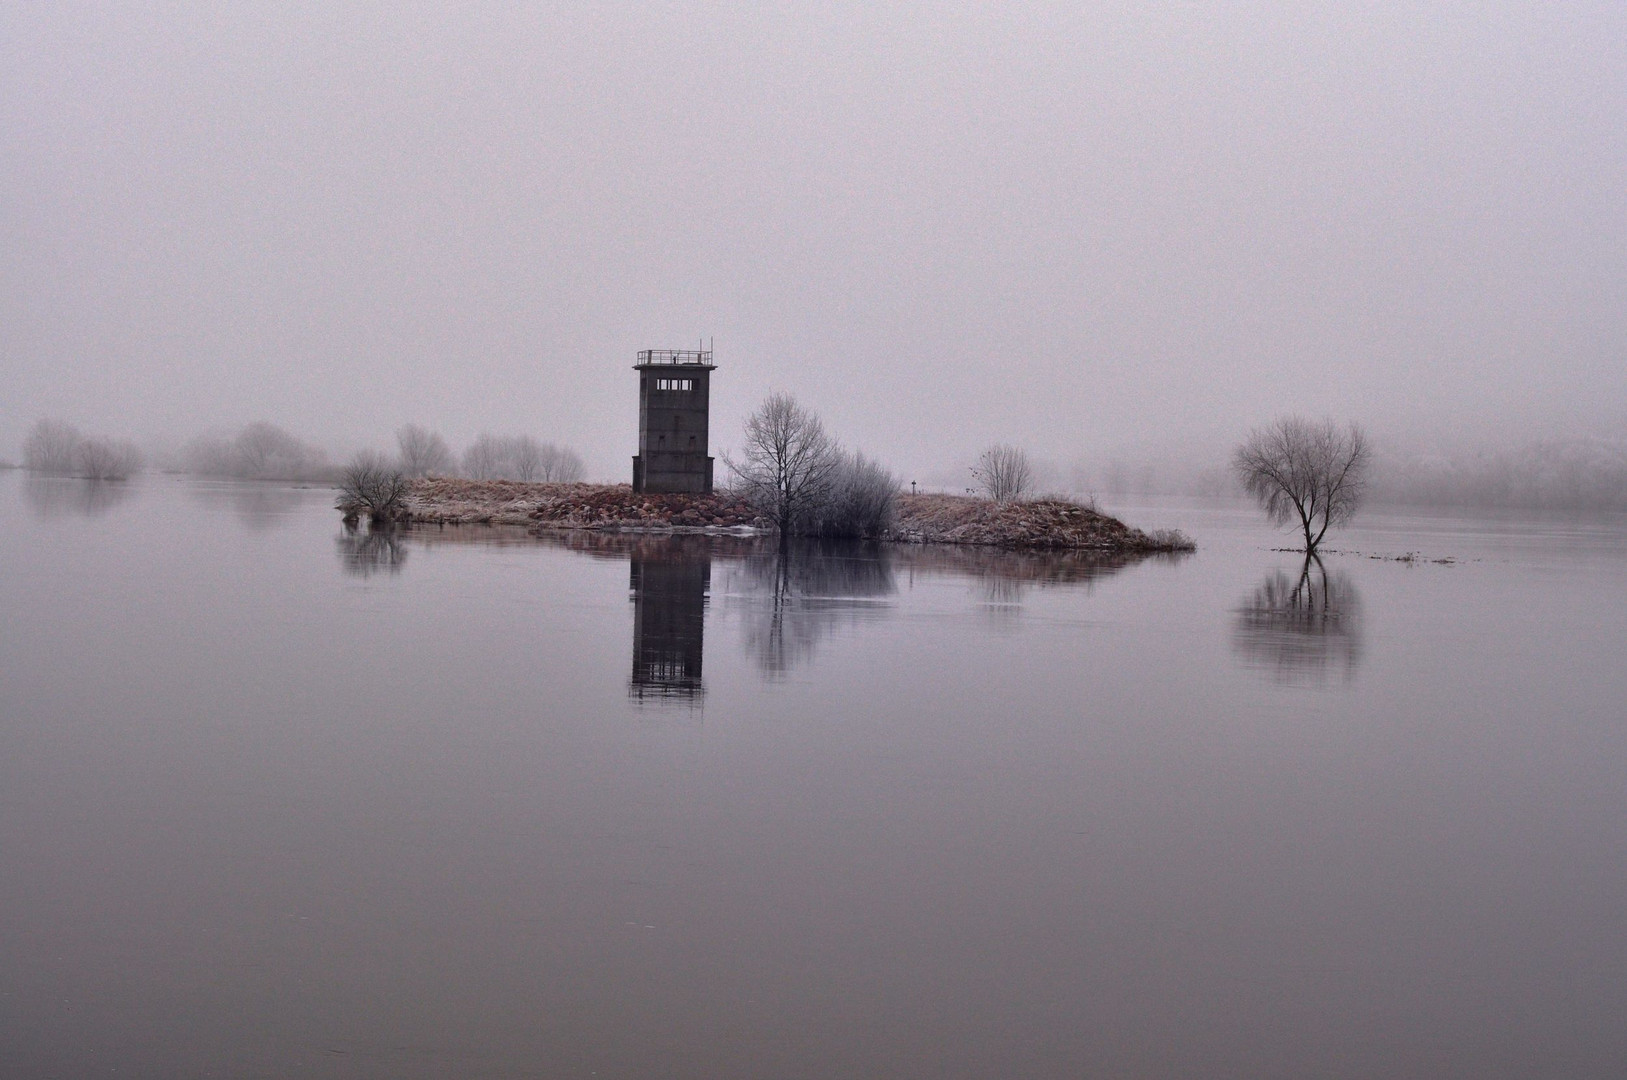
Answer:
[(662, 474)]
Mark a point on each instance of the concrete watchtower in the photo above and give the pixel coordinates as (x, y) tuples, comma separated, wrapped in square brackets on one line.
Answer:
[(673, 391)]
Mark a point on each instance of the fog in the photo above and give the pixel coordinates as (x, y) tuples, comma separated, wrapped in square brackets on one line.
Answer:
[(1118, 238)]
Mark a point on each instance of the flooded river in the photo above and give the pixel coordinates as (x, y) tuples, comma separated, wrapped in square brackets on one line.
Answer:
[(277, 800)]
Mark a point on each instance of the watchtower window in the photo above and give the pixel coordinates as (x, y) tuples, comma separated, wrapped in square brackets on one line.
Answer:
[(675, 384)]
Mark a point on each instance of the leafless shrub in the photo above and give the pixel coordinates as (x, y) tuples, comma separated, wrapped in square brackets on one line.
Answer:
[(788, 464), (861, 501), (1305, 472), (108, 459), (52, 447), (1168, 540), (1003, 473), (422, 452), (372, 485)]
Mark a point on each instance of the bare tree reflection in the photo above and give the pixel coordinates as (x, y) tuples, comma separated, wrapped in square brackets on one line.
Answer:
[(787, 603), (1301, 630), (69, 496), (670, 585), (796, 597), (365, 552), (1002, 595)]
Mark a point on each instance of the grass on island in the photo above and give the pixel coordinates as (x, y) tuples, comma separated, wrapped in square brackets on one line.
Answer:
[(1048, 523)]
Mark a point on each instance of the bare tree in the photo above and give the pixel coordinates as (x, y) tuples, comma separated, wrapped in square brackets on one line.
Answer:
[(108, 459), (260, 451), (372, 485), (788, 463), (1004, 473), (484, 460), (52, 447), (524, 456), (560, 466), (422, 451), (1305, 472), (264, 450)]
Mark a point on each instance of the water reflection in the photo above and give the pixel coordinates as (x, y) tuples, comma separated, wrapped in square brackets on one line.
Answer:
[(67, 496), (258, 504), (785, 602), (670, 584), (1303, 629), (365, 552), (1003, 580), (792, 599)]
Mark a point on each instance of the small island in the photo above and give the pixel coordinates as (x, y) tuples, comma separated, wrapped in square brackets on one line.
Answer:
[(791, 478), (1042, 524)]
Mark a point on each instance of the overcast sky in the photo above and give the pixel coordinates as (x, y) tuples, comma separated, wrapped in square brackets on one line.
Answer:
[(1089, 229)]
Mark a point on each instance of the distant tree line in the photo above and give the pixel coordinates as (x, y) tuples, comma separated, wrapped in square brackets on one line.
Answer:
[(520, 457), (263, 451), (55, 448), (258, 451), (1577, 473)]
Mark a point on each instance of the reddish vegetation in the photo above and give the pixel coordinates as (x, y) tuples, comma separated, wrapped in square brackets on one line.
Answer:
[(570, 506), (1043, 524), (619, 507), (1054, 524)]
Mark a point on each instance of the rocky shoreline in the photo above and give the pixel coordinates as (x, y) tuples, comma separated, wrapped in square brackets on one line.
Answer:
[(1047, 524)]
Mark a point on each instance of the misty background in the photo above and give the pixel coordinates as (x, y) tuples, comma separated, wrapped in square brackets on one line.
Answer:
[(1117, 237)]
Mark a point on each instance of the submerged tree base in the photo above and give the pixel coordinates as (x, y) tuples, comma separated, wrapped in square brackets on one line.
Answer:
[(1039, 525)]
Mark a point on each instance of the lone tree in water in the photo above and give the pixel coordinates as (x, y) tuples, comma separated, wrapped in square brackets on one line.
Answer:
[(788, 464), (1304, 472)]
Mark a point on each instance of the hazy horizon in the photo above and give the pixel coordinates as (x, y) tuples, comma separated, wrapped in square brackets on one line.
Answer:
[(1127, 234)]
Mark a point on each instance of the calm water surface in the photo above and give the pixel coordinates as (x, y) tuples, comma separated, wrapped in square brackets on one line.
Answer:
[(278, 801)]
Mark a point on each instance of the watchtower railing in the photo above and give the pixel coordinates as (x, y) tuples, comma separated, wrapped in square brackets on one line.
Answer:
[(675, 356)]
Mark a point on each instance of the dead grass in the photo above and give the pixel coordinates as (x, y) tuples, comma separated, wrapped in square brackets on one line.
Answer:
[(1041, 524), (443, 501), (1047, 524)]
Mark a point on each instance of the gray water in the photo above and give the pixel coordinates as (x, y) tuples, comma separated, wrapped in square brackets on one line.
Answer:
[(279, 801)]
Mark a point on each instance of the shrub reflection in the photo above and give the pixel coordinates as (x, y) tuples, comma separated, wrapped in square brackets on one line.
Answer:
[(365, 552)]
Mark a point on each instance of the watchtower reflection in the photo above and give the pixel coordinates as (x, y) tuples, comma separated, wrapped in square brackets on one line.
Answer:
[(671, 586)]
